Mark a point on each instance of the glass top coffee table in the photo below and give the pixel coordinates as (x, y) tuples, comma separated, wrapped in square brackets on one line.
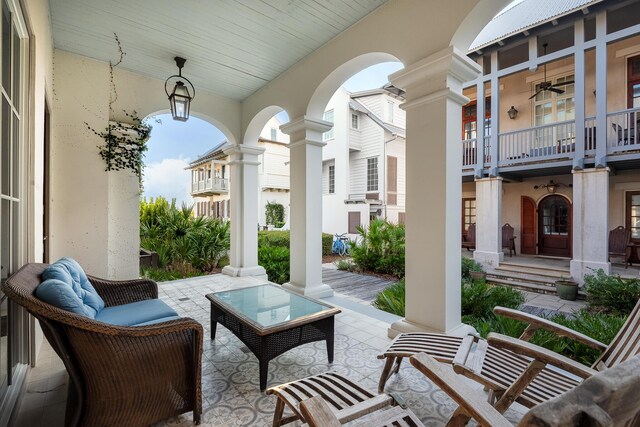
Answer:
[(270, 320)]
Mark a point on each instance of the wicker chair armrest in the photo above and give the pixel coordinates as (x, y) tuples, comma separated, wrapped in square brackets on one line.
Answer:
[(536, 322), (541, 354), (471, 401), (125, 291)]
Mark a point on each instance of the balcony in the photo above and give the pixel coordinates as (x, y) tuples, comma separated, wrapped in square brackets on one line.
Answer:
[(556, 143), (210, 187)]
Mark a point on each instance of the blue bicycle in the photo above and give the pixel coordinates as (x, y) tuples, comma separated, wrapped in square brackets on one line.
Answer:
[(340, 245)]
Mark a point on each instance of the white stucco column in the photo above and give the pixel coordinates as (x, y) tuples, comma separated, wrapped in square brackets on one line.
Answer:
[(590, 222), (305, 149), (489, 222), (243, 192), (434, 190)]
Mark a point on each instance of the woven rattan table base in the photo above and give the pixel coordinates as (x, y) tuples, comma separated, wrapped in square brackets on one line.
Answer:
[(267, 347)]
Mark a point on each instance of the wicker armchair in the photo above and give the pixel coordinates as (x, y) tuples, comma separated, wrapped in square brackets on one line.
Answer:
[(119, 375)]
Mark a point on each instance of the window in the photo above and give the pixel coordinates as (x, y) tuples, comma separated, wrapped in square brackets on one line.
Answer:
[(332, 179), (468, 214), (274, 134), (14, 323), (470, 119), (633, 82), (354, 121), (390, 111), (392, 180), (372, 174), (632, 214), (551, 107), (328, 116)]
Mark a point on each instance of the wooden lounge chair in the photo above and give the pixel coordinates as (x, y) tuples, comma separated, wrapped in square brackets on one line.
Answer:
[(469, 241), (513, 369), (508, 239), (603, 400), (619, 239), (347, 399), (118, 375)]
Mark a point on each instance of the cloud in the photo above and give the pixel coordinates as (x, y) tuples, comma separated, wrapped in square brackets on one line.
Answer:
[(169, 180)]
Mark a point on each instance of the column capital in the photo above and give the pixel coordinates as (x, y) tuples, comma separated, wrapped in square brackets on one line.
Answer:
[(449, 62), (307, 129), (242, 149)]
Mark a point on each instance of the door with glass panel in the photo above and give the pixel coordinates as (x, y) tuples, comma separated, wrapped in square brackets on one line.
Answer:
[(548, 108), (554, 226), (14, 322)]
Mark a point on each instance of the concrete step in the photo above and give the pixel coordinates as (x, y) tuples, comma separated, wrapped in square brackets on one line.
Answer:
[(517, 276), (538, 270), (525, 286), (552, 275)]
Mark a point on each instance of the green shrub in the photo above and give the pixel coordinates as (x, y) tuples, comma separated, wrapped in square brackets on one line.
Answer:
[(274, 213), (281, 238), (380, 248), (467, 265), (327, 243), (276, 262), (611, 294), (479, 299), (392, 299), (279, 224), (185, 245), (345, 265), (162, 275)]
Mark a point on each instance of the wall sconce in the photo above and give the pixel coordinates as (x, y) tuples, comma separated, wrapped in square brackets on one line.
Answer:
[(180, 98), (552, 186), (513, 113)]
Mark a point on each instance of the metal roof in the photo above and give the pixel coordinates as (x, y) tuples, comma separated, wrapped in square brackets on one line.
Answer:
[(524, 16), (209, 155)]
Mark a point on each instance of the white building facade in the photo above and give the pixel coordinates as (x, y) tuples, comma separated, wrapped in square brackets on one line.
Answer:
[(363, 161)]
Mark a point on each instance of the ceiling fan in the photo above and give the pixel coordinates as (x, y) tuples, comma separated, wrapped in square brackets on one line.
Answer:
[(546, 85)]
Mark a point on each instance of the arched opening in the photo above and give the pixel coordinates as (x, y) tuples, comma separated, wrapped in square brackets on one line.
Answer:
[(554, 226)]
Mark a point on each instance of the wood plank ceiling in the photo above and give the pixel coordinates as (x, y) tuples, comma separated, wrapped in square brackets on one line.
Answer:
[(233, 47)]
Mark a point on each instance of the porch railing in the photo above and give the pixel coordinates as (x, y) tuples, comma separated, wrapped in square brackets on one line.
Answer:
[(557, 141), (210, 184), (622, 130)]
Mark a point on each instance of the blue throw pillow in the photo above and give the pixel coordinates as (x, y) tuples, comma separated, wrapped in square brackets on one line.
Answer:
[(66, 286)]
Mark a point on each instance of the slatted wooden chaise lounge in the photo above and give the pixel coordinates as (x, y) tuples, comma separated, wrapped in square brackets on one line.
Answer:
[(513, 369), (605, 399)]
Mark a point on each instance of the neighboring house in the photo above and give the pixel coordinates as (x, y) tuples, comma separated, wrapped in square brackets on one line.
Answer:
[(363, 168), (210, 176), (564, 167)]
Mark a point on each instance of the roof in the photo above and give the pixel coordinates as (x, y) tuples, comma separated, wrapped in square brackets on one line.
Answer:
[(209, 155), (357, 106), (526, 15)]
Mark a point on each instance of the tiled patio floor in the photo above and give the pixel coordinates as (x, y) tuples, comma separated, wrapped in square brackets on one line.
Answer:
[(231, 395)]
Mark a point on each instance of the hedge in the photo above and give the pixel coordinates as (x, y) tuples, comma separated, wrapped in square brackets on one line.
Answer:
[(281, 239)]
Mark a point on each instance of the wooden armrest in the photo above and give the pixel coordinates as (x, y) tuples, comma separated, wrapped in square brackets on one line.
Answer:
[(473, 402), (317, 413), (536, 322), (541, 354)]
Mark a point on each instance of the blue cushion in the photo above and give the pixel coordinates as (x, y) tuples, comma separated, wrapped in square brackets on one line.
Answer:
[(153, 322), (66, 286), (136, 313)]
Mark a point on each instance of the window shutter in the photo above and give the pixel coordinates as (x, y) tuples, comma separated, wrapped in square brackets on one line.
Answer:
[(354, 222), (392, 180), (401, 217)]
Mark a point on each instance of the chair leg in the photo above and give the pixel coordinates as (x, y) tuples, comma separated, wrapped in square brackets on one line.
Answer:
[(196, 418), (458, 419), (397, 367), (277, 415), (386, 373)]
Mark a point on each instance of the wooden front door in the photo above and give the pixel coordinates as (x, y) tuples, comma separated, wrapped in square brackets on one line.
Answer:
[(528, 225), (554, 226)]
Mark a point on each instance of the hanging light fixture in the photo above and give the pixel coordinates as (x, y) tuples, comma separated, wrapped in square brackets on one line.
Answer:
[(180, 98), (513, 113), (551, 187)]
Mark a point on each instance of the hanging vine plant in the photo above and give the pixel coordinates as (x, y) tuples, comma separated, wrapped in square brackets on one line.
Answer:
[(125, 143)]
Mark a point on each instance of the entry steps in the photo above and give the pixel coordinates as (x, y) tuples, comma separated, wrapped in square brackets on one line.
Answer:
[(527, 277)]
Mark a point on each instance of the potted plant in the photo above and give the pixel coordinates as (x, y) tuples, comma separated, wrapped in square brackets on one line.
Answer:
[(476, 272), (567, 289)]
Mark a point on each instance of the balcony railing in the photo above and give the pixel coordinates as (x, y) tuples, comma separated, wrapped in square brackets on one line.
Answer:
[(556, 141), (210, 185)]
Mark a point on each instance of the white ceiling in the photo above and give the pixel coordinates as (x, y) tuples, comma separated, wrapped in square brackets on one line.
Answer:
[(232, 47)]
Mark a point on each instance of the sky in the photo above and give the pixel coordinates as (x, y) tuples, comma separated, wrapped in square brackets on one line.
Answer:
[(174, 144)]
